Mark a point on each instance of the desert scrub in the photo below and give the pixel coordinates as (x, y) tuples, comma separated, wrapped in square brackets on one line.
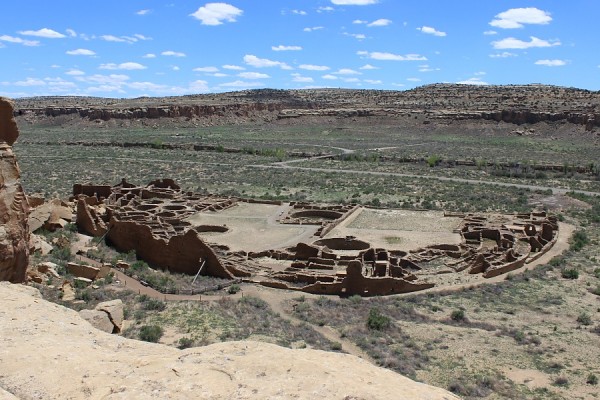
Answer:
[(570, 273), (377, 321), (150, 333)]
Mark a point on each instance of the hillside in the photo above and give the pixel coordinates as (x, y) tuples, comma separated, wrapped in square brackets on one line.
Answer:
[(512, 104), (90, 364)]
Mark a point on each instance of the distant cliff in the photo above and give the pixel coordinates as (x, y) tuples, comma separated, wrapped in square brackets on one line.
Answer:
[(527, 104)]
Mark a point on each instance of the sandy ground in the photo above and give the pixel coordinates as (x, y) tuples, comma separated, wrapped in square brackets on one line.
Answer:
[(399, 229), (48, 352), (254, 227)]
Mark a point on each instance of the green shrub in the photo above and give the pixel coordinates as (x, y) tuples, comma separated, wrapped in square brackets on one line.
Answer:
[(578, 241), (377, 321), (458, 315), (185, 342), (139, 266), (233, 289), (336, 346), (570, 273), (584, 319), (154, 305), (150, 333), (592, 379)]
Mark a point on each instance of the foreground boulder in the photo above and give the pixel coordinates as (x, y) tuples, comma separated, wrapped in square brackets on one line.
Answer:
[(14, 233), (48, 351)]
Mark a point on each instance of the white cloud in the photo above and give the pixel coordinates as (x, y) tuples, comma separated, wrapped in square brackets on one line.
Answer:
[(518, 17), (329, 76), (143, 12), (480, 73), (171, 53), (233, 67), (129, 66), (241, 84), (473, 81), (360, 22), (347, 71), (175, 68), (199, 86), (105, 89), (311, 29), (253, 75), (413, 79), (112, 79), (24, 42), (368, 66), (286, 48), (325, 9), (311, 67), (219, 75), (398, 84), (373, 81), (142, 37), (71, 33), (206, 69), (358, 36), (431, 31), (217, 13), (504, 54), (263, 62), (380, 22), (30, 82), (551, 63), (427, 68), (149, 55), (384, 56), (299, 12), (112, 38), (354, 2), (75, 72), (351, 80), (302, 79), (81, 52), (44, 33), (512, 43), (490, 33)]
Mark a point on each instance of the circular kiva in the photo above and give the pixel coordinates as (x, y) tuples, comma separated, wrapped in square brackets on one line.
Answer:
[(343, 244), (326, 214), (211, 228)]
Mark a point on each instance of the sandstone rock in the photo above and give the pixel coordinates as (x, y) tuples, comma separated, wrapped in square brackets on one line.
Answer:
[(98, 319), (37, 243), (67, 291), (14, 232), (57, 356), (52, 215), (48, 268), (83, 271), (122, 264), (84, 281), (114, 309)]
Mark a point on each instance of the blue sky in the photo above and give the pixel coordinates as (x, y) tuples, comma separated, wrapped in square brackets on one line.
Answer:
[(132, 48)]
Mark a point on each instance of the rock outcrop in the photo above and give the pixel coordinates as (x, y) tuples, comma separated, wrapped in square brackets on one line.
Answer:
[(515, 104), (49, 352), (14, 232)]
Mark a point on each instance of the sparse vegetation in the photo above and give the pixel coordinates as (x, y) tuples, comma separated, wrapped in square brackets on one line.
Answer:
[(150, 333)]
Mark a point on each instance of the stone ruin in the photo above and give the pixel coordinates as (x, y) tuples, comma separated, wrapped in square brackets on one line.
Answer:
[(14, 208), (152, 221)]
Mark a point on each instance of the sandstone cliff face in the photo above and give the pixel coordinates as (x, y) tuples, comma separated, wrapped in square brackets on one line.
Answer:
[(47, 351), (518, 105), (14, 232)]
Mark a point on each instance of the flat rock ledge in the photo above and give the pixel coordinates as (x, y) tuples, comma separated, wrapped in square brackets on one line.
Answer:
[(48, 351)]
